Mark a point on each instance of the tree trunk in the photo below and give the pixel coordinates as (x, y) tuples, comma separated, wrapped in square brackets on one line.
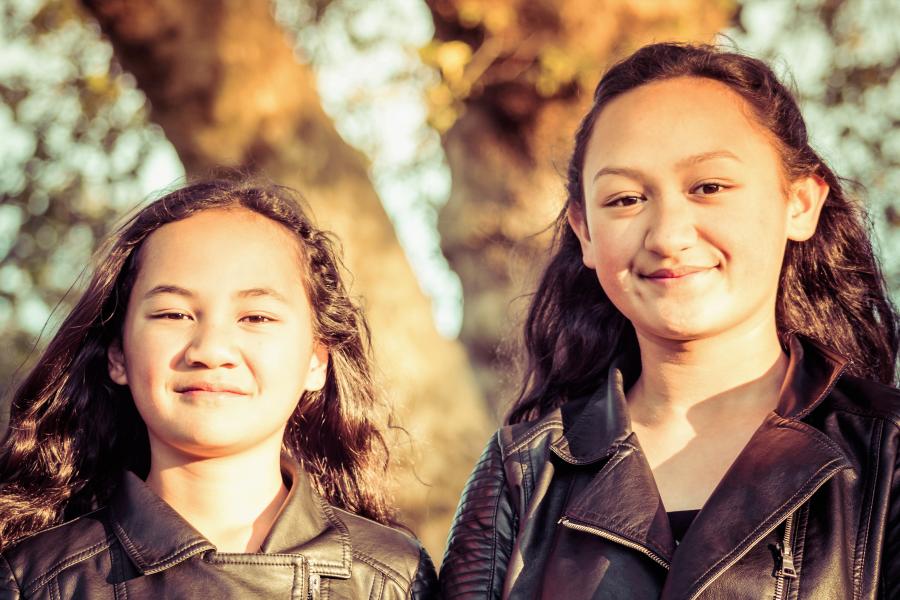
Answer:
[(518, 76), (225, 85)]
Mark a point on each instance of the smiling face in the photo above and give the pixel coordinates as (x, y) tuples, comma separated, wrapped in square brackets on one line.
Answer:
[(687, 212), (217, 346)]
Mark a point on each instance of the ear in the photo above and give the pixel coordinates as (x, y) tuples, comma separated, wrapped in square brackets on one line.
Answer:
[(805, 200), (115, 363), (318, 369), (575, 217)]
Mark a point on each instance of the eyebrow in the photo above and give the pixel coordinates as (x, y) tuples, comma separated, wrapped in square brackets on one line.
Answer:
[(704, 156), (684, 162), (168, 289), (264, 291), (248, 293)]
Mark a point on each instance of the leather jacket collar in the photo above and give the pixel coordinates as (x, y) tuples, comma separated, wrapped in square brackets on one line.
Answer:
[(782, 465), (812, 372), (156, 537)]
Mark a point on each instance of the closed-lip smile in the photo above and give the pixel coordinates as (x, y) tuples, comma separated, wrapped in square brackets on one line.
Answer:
[(215, 388), (674, 272)]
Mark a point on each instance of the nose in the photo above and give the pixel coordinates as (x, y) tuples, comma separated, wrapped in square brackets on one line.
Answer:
[(672, 227), (211, 346)]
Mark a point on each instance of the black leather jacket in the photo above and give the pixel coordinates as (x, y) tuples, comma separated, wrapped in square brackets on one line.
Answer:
[(139, 547), (566, 506)]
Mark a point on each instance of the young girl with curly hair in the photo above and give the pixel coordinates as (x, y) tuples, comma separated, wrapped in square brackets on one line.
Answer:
[(205, 423)]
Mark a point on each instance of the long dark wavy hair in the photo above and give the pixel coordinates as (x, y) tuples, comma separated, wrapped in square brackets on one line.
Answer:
[(72, 430), (831, 288)]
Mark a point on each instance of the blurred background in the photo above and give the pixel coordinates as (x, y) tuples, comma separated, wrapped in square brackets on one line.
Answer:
[(431, 136)]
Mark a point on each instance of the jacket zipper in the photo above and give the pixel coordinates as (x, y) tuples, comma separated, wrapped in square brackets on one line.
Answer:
[(786, 569), (805, 497), (566, 522), (315, 581)]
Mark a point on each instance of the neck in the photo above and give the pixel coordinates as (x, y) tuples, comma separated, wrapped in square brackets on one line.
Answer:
[(231, 500), (741, 371)]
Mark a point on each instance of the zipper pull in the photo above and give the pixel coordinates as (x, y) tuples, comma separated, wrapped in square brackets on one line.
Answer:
[(787, 569), (315, 581)]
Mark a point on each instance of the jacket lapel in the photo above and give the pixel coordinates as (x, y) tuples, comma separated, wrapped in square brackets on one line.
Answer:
[(309, 526), (154, 536), (157, 538), (640, 522), (778, 470), (781, 466), (604, 431)]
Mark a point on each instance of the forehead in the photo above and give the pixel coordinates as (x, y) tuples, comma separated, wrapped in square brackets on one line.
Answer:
[(222, 248), (677, 117)]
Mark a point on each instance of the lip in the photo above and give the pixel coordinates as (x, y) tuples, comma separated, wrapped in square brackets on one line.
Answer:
[(205, 387), (675, 273)]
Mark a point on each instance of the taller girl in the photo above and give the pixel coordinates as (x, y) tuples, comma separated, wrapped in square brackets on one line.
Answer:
[(706, 410)]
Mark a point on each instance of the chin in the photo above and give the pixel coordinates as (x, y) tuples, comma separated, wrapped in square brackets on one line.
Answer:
[(686, 330), (210, 444)]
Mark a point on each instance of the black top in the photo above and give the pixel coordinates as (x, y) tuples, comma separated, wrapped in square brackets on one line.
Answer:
[(680, 520)]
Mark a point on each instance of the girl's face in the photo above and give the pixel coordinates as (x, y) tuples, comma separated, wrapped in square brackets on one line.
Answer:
[(218, 346), (687, 213)]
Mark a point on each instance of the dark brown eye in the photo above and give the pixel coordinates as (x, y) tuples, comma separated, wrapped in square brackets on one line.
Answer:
[(171, 316), (625, 201), (710, 188), (257, 319)]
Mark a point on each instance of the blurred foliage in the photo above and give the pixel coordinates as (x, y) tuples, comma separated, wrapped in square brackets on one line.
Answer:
[(75, 136), (373, 84), (844, 58), (552, 48)]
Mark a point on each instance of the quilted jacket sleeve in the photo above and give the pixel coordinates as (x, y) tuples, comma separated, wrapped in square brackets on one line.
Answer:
[(481, 538), (424, 585)]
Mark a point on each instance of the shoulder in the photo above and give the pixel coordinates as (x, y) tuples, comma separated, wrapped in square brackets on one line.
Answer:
[(399, 557), (863, 418), (866, 398), (38, 558)]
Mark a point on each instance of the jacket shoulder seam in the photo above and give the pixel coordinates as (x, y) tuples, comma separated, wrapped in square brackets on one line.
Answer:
[(63, 564), (892, 418), (64, 524), (383, 568), (530, 435)]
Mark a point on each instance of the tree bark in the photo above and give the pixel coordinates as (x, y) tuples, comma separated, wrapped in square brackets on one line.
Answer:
[(515, 97), (225, 85)]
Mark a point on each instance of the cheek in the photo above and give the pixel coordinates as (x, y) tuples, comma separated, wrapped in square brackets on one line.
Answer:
[(758, 246), (150, 354), (610, 277), (275, 356), (613, 254)]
